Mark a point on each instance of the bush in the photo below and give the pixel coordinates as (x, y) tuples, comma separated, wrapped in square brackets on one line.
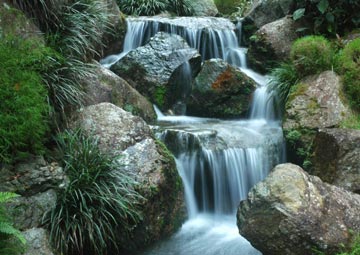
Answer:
[(99, 205), (311, 55), (11, 239), (348, 64), (23, 99), (228, 7), (328, 16), (153, 7)]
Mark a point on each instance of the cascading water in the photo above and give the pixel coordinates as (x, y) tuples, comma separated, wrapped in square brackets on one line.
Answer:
[(218, 160)]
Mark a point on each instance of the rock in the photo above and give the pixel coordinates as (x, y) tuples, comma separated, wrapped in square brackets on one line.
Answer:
[(108, 87), (271, 44), (31, 177), (148, 69), (313, 104), (114, 36), (266, 11), (204, 8), (128, 136), (38, 242), (337, 157), (28, 212), (220, 90), (13, 22), (294, 213)]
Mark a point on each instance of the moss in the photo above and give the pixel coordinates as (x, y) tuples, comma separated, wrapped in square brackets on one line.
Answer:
[(159, 96), (297, 90)]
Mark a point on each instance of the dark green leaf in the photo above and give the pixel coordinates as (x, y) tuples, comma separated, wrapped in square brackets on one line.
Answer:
[(330, 17), (299, 13), (322, 6)]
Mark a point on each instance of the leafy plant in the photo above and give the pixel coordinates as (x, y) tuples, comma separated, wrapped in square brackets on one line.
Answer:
[(180, 7), (311, 55), (230, 6), (348, 64), (99, 202), (11, 239), (328, 16), (23, 105)]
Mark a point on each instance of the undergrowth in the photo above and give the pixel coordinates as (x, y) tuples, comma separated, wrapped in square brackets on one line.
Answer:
[(98, 208)]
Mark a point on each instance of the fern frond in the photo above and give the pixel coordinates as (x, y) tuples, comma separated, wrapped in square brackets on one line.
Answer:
[(6, 196), (7, 229)]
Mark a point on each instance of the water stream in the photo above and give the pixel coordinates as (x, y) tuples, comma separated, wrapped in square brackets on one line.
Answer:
[(218, 160)]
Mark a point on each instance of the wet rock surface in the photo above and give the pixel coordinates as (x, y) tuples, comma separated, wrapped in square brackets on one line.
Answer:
[(38, 242), (293, 213), (204, 8)]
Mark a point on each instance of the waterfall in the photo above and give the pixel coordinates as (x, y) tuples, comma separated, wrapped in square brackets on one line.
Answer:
[(218, 160)]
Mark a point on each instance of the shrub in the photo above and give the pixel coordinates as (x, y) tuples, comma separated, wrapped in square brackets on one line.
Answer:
[(23, 105), (348, 63), (99, 202), (311, 55), (328, 16), (11, 239)]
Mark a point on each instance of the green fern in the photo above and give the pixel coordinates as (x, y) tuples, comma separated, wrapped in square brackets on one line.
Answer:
[(11, 239)]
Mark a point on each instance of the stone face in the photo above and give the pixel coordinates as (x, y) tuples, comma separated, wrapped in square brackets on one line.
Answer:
[(337, 157), (316, 103), (265, 11), (38, 242), (271, 43), (220, 90), (204, 8), (148, 69), (28, 212), (108, 87), (122, 134), (31, 177), (293, 213)]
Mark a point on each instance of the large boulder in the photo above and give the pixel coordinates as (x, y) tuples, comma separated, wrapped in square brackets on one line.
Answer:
[(13, 22), (337, 157), (294, 213), (263, 12), (149, 68), (220, 90), (314, 103), (106, 86), (271, 44), (204, 8), (122, 134)]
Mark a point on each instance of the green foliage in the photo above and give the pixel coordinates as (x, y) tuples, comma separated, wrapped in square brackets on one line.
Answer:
[(153, 7), (282, 79), (159, 96), (23, 105), (11, 239), (311, 55), (99, 206), (352, 122), (230, 6), (348, 64), (328, 16)]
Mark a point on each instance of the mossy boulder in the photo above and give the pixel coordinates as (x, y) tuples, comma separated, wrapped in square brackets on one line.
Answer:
[(294, 213), (148, 68), (122, 134), (271, 44), (313, 104), (108, 87), (220, 90)]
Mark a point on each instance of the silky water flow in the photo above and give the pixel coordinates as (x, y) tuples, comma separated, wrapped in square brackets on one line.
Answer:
[(218, 160)]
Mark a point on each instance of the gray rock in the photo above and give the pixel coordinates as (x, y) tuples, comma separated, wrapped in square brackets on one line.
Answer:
[(30, 177), (316, 103), (28, 212), (265, 11), (38, 242), (294, 213), (271, 43), (122, 134), (220, 90), (337, 157), (149, 68), (204, 8), (108, 87)]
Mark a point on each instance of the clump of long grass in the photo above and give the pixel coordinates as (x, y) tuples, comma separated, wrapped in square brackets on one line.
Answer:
[(98, 205)]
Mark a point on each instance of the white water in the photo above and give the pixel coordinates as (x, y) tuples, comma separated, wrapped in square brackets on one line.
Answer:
[(218, 161)]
